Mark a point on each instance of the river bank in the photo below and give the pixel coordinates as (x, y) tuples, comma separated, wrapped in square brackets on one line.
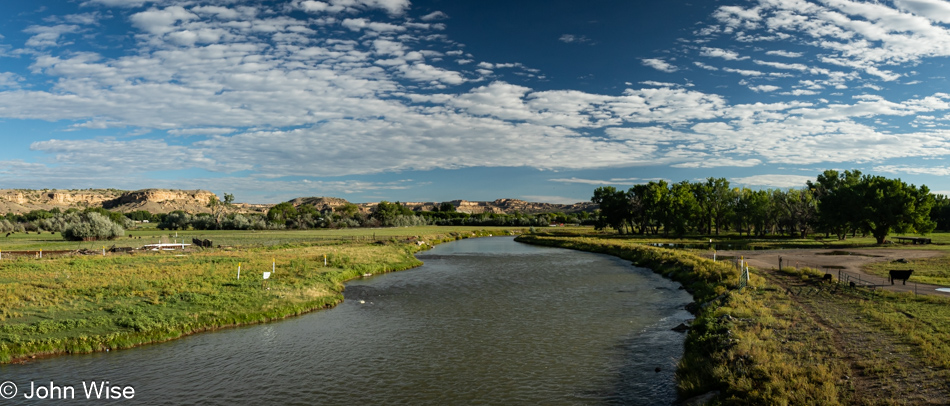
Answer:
[(792, 338), (83, 304)]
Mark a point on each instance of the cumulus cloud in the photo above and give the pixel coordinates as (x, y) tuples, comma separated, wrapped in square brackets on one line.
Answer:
[(323, 88), (659, 65), (722, 53)]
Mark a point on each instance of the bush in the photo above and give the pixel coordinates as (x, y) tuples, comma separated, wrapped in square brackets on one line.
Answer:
[(176, 220), (92, 226), (236, 222)]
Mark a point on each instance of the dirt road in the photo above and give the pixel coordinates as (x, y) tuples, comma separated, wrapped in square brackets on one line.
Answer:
[(848, 262)]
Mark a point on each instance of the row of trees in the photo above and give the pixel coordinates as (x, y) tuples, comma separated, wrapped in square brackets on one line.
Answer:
[(73, 224), (835, 204)]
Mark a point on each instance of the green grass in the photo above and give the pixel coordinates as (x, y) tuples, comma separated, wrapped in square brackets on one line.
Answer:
[(75, 303), (935, 270), (239, 238)]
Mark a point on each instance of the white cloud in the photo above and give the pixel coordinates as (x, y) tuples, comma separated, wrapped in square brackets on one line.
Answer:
[(574, 39), (775, 181), (914, 170), (434, 16), (553, 199), (722, 53), (787, 54), (612, 181), (744, 72), (764, 88), (659, 65), (780, 65), (48, 36), (357, 24)]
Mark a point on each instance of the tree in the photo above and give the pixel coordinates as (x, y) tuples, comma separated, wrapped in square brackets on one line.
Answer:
[(714, 198), (683, 208), (615, 209), (92, 226), (218, 207), (838, 202), (386, 212), (446, 207), (176, 220), (891, 205), (281, 213)]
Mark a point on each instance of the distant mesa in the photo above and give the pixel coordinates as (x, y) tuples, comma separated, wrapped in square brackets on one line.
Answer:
[(196, 201)]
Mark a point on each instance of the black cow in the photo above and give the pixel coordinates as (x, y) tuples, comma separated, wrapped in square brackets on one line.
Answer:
[(903, 274)]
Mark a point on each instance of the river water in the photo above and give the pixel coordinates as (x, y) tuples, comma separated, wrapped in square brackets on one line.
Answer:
[(484, 321)]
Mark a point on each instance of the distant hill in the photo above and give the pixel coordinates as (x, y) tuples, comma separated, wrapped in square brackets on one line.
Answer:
[(196, 201), (499, 206), (154, 200)]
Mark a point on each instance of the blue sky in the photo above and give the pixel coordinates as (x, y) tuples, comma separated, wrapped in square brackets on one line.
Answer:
[(437, 100)]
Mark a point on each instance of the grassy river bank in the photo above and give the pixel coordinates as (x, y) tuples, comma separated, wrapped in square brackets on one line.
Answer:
[(792, 338), (70, 303)]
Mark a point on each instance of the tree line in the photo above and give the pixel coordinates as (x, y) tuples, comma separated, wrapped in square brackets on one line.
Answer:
[(99, 223), (838, 204)]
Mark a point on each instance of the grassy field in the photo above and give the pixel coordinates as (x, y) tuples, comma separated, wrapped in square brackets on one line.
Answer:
[(791, 338), (82, 303)]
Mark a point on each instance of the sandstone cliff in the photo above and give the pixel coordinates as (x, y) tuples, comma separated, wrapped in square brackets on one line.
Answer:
[(196, 201), (154, 200), (162, 201)]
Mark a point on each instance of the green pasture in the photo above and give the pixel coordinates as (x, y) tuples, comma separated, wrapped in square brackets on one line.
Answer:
[(67, 303), (148, 234)]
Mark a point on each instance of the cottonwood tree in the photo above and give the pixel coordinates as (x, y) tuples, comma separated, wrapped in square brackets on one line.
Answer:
[(219, 207), (892, 205)]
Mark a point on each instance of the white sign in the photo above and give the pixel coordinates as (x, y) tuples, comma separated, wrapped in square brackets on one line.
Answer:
[(266, 275)]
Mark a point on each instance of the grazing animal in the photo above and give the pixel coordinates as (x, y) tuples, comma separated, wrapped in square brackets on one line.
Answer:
[(903, 274), (827, 277)]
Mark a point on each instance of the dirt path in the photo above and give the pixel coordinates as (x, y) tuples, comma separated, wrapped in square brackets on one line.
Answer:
[(848, 262), (882, 367)]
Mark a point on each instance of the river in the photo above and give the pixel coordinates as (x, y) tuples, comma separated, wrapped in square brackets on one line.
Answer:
[(487, 321)]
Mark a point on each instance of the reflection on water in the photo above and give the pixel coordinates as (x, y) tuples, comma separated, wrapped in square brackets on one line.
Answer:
[(483, 321)]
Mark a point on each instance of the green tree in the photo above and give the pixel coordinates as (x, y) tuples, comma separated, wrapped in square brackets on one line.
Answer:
[(892, 205), (615, 208), (92, 226), (386, 212), (839, 206), (219, 207), (282, 213), (683, 208), (446, 207)]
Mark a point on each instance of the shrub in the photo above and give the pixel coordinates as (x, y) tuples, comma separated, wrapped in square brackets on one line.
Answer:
[(92, 226), (176, 220), (236, 222)]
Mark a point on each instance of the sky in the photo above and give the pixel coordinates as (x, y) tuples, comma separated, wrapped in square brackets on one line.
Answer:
[(437, 100)]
